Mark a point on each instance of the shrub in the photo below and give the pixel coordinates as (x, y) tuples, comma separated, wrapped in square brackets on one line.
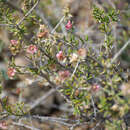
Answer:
[(88, 80)]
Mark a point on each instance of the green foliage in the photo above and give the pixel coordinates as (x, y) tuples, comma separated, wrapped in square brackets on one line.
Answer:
[(3, 0), (115, 125), (15, 109), (105, 18)]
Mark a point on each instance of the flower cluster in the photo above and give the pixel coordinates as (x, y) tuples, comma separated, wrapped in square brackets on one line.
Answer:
[(81, 54), (14, 42)]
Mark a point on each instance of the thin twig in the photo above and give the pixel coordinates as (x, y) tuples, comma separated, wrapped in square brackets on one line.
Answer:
[(57, 13), (29, 12), (75, 69), (112, 4), (6, 25), (42, 99), (119, 53), (50, 118), (93, 106), (53, 119), (61, 20), (63, 108), (97, 125), (25, 126)]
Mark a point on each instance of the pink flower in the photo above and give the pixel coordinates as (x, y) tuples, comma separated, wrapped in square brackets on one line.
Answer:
[(82, 52), (64, 74), (3, 125), (32, 49), (95, 87), (60, 56), (68, 25), (14, 42), (11, 72)]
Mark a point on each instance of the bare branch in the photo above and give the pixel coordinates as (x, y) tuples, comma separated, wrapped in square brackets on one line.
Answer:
[(25, 126), (61, 20), (57, 14), (42, 99), (94, 106), (75, 69), (119, 53), (53, 119), (6, 25)]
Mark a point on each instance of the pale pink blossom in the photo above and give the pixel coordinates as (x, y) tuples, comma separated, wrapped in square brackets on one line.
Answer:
[(60, 56), (68, 25), (73, 57), (82, 52), (3, 125), (64, 74), (125, 88), (32, 49), (11, 72), (14, 42)]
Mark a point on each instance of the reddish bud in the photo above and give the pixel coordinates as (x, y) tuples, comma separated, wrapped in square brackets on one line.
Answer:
[(68, 25), (60, 56)]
